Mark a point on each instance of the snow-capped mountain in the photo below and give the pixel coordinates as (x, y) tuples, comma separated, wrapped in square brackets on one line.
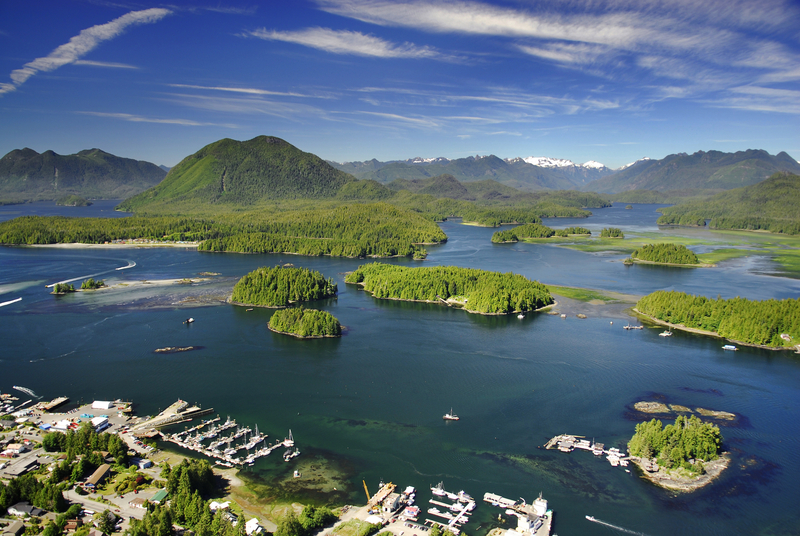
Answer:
[(646, 158), (420, 160), (557, 163)]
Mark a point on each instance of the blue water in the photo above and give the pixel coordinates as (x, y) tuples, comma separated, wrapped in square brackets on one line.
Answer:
[(371, 402)]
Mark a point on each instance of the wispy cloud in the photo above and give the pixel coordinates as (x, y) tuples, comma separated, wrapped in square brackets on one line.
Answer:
[(82, 44), (141, 119), (347, 42), (105, 64), (251, 91)]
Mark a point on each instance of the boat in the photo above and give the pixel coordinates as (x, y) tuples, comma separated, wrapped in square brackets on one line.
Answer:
[(730, 347), (296, 474), (667, 333), (188, 321), (450, 416), (590, 518), (520, 316), (563, 315), (632, 327), (438, 489), (289, 454), (463, 496)]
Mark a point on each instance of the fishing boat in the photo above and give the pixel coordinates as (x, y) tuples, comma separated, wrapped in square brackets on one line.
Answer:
[(451, 416)]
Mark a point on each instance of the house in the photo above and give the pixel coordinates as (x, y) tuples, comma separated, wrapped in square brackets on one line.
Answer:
[(16, 448), (97, 477), (24, 509), (109, 515), (21, 467), (138, 502), (72, 525), (14, 529), (232, 518), (253, 527), (159, 496), (214, 506), (141, 463)]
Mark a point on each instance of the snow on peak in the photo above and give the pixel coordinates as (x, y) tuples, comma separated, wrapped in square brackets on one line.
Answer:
[(632, 163), (593, 164), (544, 161), (420, 160)]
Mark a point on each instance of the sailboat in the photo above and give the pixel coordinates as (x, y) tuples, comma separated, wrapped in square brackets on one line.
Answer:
[(450, 416)]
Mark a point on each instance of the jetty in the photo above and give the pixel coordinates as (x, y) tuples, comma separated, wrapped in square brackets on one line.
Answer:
[(532, 519), (568, 443)]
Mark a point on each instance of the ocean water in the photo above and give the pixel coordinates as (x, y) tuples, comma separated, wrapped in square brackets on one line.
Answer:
[(370, 404)]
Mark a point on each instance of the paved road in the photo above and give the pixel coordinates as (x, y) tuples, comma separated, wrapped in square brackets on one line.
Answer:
[(119, 504)]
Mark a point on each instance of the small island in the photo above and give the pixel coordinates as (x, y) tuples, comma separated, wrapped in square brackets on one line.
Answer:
[(536, 230), (73, 201), (305, 323), (684, 456), (477, 291), (611, 232), (667, 254), (281, 286)]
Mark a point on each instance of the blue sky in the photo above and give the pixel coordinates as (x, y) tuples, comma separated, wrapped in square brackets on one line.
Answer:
[(604, 80)]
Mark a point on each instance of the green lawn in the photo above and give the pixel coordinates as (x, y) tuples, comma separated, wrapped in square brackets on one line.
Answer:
[(581, 294)]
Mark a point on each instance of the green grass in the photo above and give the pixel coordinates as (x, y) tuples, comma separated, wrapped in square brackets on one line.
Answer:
[(355, 527), (581, 294)]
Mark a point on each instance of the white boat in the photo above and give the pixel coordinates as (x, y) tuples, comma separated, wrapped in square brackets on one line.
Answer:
[(520, 316), (438, 489), (730, 347), (451, 416), (590, 518), (289, 454), (296, 474), (188, 321), (667, 333)]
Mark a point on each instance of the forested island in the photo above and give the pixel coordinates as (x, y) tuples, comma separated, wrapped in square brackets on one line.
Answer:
[(664, 254), (73, 201), (280, 287), (769, 323), (611, 232), (536, 230), (477, 291), (305, 323), (680, 451)]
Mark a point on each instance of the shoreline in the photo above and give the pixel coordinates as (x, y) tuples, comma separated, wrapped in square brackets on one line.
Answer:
[(84, 245), (296, 336), (634, 260), (681, 327), (663, 479)]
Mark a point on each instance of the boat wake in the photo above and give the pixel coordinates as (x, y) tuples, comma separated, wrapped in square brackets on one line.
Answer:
[(131, 264), (615, 527), (10, 302), (26, 391)]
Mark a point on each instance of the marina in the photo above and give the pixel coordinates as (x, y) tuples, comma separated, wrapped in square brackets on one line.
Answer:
[(568, 443)]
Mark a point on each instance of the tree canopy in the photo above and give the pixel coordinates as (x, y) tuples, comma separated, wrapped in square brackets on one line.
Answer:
[(676, 444), (281, 286), (305, 323), (666, 253)]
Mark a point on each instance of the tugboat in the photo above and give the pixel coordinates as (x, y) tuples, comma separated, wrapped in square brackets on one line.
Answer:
[(451, 416)]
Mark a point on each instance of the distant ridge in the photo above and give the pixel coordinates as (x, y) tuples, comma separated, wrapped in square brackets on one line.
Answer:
[(26, 175), (526, 174), (711, 170), (244, 173)]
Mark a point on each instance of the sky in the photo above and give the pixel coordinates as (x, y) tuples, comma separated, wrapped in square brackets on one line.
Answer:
[(350, 80)]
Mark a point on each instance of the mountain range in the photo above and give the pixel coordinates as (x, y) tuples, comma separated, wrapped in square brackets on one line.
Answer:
[(26, 175)]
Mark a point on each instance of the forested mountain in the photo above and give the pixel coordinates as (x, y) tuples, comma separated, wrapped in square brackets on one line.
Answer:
[(771, 205), (243, 173), (705, 170), (26, 175), (516, 172)]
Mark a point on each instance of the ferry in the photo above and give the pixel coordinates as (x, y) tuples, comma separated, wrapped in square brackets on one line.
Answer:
[(730, 347), (451, 416)]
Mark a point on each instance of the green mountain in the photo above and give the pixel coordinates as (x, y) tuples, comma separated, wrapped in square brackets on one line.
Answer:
[(701, 170), (243, 173), (26, 175), (771, 205)]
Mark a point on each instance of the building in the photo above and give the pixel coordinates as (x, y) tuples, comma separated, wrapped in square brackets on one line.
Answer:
[(21, 467), (72, 525), (14, 529), (97, 477), (99, 423), (253, 527), (102, 404), (24, 509), (159, 496), (214, 506), (16, 448), (138, 502), (141, 463)]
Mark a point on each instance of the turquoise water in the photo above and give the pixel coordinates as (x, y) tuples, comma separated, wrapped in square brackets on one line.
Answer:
[(373, 400)]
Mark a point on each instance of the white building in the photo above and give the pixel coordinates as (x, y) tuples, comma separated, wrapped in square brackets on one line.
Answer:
[(100, 423), (253, 527), (102, 404)]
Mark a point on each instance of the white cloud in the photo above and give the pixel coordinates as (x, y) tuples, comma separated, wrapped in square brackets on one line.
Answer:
[(346, 42), (250, 91), (141, 119), (105, 64), (82, 44)]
